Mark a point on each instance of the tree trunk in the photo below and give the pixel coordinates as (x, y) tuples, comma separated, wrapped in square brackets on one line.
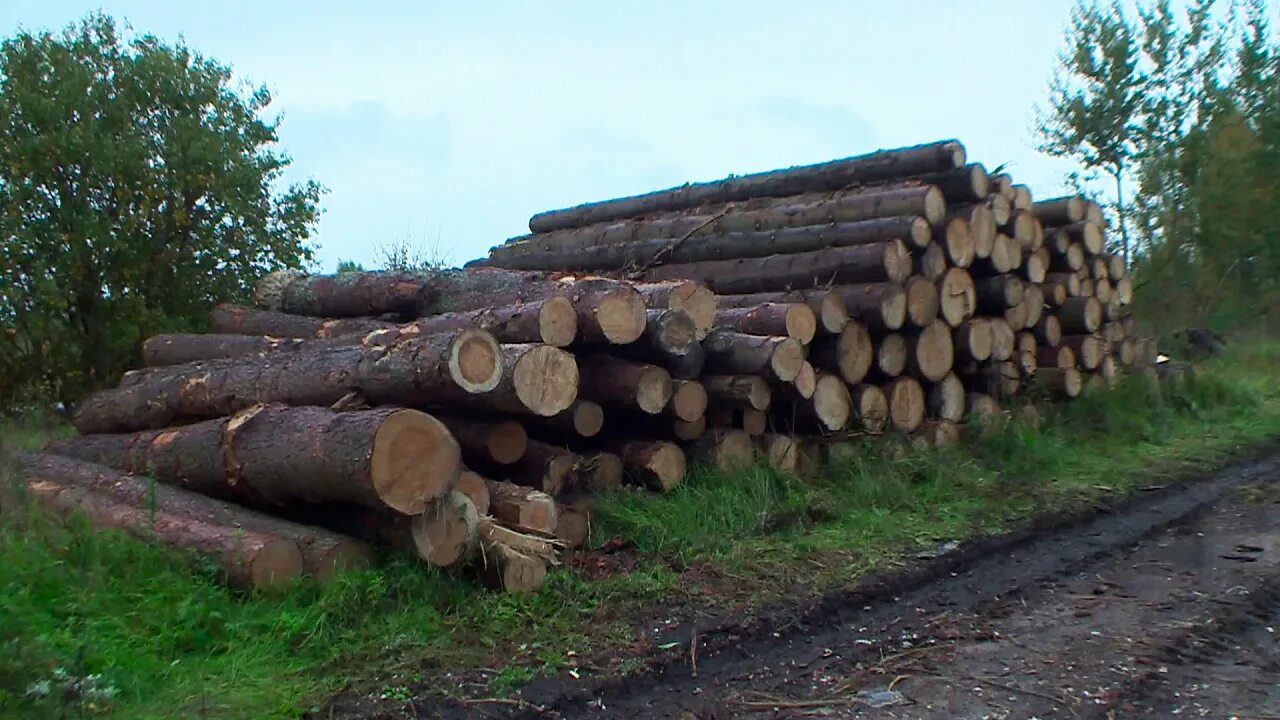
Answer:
[(501, 443), (778, 451), (973, 340), (930, 353), (931, 263), (724, 448), (177, 349), (1006, 256), (344, 295), (891, 356), (1062, 382), (688, 400), (1087, 348), (506, 568), (1035, 266), (875, 167), (640, 386), (923, 301), (1003, 339), (654, 464), (832, 404), (670, 332), (522, 507), (414, 371), (1070, 260), (733, 353), (946, 399), (1090, 236), (537, 380), (964, 184), (956, 240), (228, 319), (828, 307), (864, 263), (1055, 357), (388, 458), (545, 467), (324, 554), (1060, 211), (551, 321), (879, 306), (691, 297), (1048, 330), (739, 391), (957, 297), (792, 320), (1080, 315), (870, 407), (906, 402), (850, 354), (998, 292), (1021, 228)]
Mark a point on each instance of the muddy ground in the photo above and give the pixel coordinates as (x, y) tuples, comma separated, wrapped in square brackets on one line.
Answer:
[(1167, 606)]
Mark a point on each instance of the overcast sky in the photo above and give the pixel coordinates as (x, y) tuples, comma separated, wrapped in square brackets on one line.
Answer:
[(450, 123)]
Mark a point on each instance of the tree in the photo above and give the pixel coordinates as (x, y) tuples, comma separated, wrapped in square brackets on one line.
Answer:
[(349, 266), (139, 185), (1095, 99)]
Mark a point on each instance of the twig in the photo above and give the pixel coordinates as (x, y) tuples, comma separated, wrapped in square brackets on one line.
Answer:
[(693, 652), (659, 256)]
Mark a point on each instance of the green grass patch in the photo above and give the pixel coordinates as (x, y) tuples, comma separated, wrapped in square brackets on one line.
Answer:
[(98, 623)]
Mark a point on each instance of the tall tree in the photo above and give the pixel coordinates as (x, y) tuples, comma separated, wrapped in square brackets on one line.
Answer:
[(139, 184), (1095, 100)]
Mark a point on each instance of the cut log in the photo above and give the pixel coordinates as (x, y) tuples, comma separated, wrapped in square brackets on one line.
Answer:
[(536, 379), (1025, 343), (412, 372), (850, 354), (1001, 184), (832, 403), (1003, 339), (1080, 315), (1124, 291), (501, 442), (752, 421), (982, 226), (930, 353), (957, 241), (1115, 266), (1001, 207), (228, 319), (324, 554), (654, 464), (946, 399), (779, 451), (1005, 257), (476, 487), (878, 262), (723, 448), (957, 297), (965, 184), (875, 167), (691, 297), (573, 527), (1070, 282), (982, 408), (545, 467), (1088, 349), (734, 353), (1060, 211), (828, 307), (1021, 228), (939, 434), (793, 320), (683, 430), (1102, 290), (1035, 266), (922, 301), (177, 349), (1089, 235), (806, 382), (688, 400), (551, 321), (738, 391), (640, 386), (1098, 267), (345, 295), (891, 355), (1016, 316), (870, 407), (1086, 286), (998, 292), (930, 263), (599, 471), (386, 458), (1054, 295), (1022, 199), (1033, 301), (973, 340), (505, 568), (583, 419), (879, 306), (522, 506), (906, 403), (1048, 330), (1055, 357), (250, 558), (446, 535), (1071, 260), (670, 332), (1062, 382)]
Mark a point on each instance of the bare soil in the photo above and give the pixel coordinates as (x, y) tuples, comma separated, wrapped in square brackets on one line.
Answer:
[(1165, 606)]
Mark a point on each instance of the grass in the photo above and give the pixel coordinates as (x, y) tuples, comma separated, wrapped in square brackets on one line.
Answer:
[(98, 623)]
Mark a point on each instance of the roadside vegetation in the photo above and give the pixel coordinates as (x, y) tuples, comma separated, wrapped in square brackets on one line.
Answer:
[(92, 623)]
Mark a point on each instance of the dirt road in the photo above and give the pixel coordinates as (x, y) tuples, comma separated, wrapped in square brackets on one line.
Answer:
[(1166, 607)]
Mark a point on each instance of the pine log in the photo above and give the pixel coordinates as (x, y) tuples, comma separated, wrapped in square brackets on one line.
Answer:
[(1003, 339), (930, 263), (1048, 330), (1124, 291), (573, 526), (879, 306), (956, 240), (828, 307), (1005, 257), (973, 340), (734, 353), (887, 261), (1025, 343), (982, 226), (946, 399), (501, 443), (778, 451), (522, 506), (1055, 357), (998, 292), (670, 332), (793, 320), (599, 471), (1069, 261), (344, 295), (250, 558), (1115, 266), (1080, 315), (688, 400), (476, 487), (1033, 300), (750, 391), (1001, 184), (1102, 290), (804, 384), (536, 380), (1086, 286), (891, 356), (1098, 267), (957, 297), (875, 167), (1070, 282), (640, 386), (1060, 211), (982, 408), (1017, 317), (177, 349), (274, 454), (1035, 266), (691, 297), (930, 353), (228, 319), (1089, 235), (1001, 207), (922, 301), (939, 434), (1062, 382), (686, 431), (1021, 228), (546, 467), (505, 568), (583, 419), (324, 554), (832, 404), (906, 403), (850, 354), (657, 465), (1088, 350), (964, 184), (870, 407), (1022, 199), (550, 321), (723, 448), (414, 371)]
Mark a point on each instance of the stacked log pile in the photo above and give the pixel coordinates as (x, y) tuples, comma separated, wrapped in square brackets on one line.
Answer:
[(469, 415)]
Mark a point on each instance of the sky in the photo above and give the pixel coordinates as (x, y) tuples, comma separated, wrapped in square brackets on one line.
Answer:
[(447, 124)]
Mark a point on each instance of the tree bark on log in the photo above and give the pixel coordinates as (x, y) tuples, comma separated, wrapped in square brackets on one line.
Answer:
[(973, 340), (850, 354), (1060, 211), (1003, 339), (656, 465), (1021, 228), (551, 321), (691, 297), (1070, 260), (1062, 382), (1055, 357), (500, 443), (414, 371), (998, 293), (888, 261), (828, 306), (946, 399), (954, 237), (670, 332), (749, 391), (1080, 315), (228, 319), (640, 386), (964, 184), (874, 167), (792, 320), (1089, 235), (324, 554), (1087, 348), (522, 507), (387, 458), (931, 263), (545, 467), (870, 407), (344, 295), (880, 306), (1048, 330), (178, 349), (734, 353)]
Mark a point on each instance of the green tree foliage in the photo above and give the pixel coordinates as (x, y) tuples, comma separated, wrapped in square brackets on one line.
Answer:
[(349, 266), (1190, 113), (139, 185)]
